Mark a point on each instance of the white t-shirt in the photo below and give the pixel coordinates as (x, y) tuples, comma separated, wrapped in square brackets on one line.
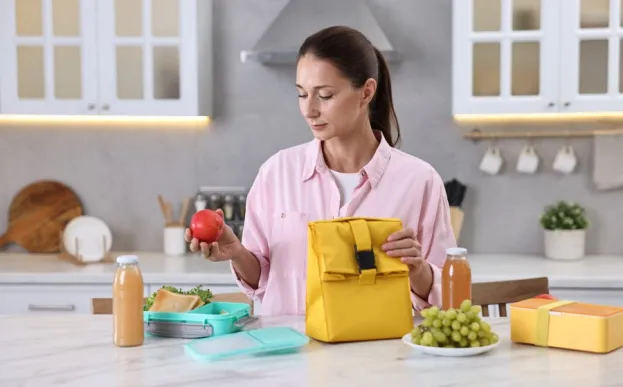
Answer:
[(346, 182)]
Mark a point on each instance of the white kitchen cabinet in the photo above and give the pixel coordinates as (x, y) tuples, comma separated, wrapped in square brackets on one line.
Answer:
[(538, 57), (591, 49), (62, 298), (112, 57), (76, 298)]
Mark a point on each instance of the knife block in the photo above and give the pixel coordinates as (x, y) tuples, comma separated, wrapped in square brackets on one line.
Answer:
[(76, 259)]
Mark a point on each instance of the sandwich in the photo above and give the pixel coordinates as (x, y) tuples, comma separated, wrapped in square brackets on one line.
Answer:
[(167, 301), (172, 299)]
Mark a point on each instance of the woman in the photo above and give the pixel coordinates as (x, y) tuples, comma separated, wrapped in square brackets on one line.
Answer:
[(351, 168)]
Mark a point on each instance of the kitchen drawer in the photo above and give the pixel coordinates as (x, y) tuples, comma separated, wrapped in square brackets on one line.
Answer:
[(66, 298)]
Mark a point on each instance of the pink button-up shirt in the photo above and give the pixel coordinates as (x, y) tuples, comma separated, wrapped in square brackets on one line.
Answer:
[(295, 186)]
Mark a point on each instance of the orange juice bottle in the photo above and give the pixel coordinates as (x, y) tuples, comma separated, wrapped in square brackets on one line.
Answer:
[(127, 303), (456, 279)]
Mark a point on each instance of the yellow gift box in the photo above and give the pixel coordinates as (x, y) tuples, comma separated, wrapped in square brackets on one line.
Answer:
[(567, 324)]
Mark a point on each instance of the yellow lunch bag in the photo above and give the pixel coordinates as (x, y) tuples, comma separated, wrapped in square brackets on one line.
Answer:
[(355, 292)]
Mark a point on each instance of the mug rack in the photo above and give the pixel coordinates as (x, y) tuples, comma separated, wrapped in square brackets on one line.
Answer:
[(477, 134), (76, 258)]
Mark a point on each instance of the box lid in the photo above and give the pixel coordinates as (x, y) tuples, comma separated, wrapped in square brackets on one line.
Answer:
[(570, 307)]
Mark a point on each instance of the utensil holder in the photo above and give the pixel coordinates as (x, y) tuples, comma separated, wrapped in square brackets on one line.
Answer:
[(456, 219), (77, 258), (173, 238)]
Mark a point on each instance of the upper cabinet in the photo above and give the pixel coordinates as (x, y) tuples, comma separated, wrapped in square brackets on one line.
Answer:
[(112, 57), (518, 58)]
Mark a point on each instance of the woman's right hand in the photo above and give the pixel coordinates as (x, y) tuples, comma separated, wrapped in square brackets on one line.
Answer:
[(225, 248)]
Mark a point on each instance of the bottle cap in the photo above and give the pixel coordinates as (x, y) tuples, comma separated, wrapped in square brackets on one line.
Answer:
[(127, 259), (456, 251)]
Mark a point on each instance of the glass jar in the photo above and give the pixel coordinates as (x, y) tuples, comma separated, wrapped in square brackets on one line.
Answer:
[(228, 207), (456, 279), (127, 303)]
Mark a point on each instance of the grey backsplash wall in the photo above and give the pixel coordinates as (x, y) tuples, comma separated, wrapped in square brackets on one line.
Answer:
[(118, 172)]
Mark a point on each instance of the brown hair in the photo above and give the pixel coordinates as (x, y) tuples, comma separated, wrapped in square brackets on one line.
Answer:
[(358, 60)]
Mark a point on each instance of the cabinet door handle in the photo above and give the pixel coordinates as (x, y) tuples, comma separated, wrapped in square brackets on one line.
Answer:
[(60, 308), (105, 108)]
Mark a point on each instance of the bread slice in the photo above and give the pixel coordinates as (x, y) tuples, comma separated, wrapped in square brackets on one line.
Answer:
[(166, 301), (198, 304)]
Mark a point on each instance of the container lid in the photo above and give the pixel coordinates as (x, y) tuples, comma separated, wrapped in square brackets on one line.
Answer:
[(127, 259), (245, 343), (456, 251), (569, 307)]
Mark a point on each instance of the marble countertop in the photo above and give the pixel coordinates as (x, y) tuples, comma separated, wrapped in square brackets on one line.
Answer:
[(593, 271), (76, 350)]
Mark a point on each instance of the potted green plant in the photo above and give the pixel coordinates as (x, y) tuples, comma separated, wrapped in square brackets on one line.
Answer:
[(565, 227)]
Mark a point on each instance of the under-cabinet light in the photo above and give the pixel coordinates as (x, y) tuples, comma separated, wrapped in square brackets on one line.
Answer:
[(151, 121), (537, 117)]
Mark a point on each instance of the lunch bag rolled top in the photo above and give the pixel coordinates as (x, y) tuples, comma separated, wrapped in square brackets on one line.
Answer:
[(355, 292)]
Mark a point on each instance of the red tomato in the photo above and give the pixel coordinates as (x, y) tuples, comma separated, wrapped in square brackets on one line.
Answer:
[(207, 226), (546, 297)]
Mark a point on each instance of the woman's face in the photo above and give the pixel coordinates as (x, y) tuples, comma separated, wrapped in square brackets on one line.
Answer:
[(330, 104)]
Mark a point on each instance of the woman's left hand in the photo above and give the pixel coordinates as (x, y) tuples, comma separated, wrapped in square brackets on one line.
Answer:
[(404, 245)]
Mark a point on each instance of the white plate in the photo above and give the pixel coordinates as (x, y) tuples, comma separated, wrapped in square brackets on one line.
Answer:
[(93, 236), (449, 352)]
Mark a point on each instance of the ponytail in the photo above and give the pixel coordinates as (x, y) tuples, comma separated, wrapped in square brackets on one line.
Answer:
[(382, 113)]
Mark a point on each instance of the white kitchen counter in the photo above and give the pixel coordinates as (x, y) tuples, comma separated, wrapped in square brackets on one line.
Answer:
[(192, 269), (594, 272), (32, 283), (591, 272), (36, 283), (77, 350)]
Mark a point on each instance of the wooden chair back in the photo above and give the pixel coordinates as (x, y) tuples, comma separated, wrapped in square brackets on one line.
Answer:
[(501, 293), (104, 305)]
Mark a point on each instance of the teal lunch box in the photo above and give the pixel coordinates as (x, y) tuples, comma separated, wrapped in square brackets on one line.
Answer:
[(213, 319)]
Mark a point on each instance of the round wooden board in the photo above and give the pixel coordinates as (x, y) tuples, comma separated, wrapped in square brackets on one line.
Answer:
[(39, 213)]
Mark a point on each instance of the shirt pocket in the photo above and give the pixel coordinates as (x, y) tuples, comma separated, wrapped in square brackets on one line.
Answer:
[(288, 243)]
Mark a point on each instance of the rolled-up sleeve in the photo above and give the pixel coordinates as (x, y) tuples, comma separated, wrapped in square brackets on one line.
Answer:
[(435, 236), (254, 236)]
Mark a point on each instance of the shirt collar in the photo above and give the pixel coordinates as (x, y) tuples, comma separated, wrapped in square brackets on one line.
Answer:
[(314, 162)]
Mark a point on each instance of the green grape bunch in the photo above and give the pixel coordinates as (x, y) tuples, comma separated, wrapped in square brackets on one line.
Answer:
[(453, 328)]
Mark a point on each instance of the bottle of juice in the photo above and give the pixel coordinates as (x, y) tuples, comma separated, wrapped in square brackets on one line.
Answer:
[(456, 279), (127, 303)]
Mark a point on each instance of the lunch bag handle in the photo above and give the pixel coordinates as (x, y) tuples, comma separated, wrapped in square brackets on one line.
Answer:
[(364, 254)]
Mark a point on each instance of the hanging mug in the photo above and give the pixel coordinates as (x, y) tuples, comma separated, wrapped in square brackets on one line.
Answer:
[(528, 161), (565, 160), (492, 161)]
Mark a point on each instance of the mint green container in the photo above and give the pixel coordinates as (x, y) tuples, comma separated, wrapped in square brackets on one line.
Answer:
[(272, 341), (213, 319)]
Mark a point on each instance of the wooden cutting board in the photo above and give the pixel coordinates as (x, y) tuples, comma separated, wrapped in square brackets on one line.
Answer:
[(38, 214)]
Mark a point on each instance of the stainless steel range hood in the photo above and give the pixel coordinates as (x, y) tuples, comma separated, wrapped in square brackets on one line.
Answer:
[(301, 18)]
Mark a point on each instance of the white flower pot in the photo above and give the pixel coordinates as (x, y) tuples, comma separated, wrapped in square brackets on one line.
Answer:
[(565, 244)]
